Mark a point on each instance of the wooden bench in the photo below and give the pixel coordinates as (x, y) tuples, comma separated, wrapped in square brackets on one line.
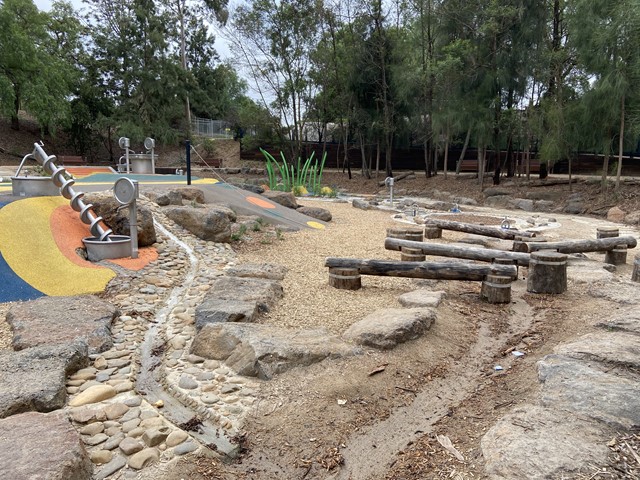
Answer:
[(70, 160)]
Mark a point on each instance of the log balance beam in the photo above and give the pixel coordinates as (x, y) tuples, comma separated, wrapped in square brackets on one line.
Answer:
[(344, 273), (502, 233), (581, 246), (468, 253)]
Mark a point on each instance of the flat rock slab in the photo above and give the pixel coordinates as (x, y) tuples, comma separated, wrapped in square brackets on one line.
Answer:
[(590, 389), (537, 443), (612, 348), (59, 320), (34, 379), (264, 292), (264, 351), (42, 446), (268, 271), (626, 322), (218, 310), (624, 293), (387, 328), (583, 272), (421, 298)]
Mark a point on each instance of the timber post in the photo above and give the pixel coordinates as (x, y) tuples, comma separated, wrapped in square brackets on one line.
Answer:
[(547, 272), (496, 289), (406, 233), (431, 232), (408, 254), (616, 256), (607, 232), (345, 278), (635, 276)]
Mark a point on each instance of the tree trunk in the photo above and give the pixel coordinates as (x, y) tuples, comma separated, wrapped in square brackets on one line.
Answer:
[(478, 229), (464, 151), (15, 122), (446, 154), (620, 143)]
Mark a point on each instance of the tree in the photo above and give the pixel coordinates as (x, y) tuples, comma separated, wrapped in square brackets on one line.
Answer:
[(34, 75)]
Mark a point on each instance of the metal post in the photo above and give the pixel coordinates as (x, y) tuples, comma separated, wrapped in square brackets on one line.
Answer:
[(133, 222), (188, 146), (126, 156)]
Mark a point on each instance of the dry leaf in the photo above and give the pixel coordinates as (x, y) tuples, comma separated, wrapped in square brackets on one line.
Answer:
[(446, 443)]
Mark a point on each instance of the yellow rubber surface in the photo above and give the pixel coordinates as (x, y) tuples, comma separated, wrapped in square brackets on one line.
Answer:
[(29, 248)]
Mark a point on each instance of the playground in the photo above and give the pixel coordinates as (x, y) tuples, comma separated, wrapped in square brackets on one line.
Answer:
[(420, 409)]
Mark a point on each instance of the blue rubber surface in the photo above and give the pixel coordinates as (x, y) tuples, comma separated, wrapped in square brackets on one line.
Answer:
[(12, 287), (112, 177)]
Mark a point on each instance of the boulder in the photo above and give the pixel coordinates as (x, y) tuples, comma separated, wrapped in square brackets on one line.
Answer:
[(632, 218), (190, 194), (286, 199), (498, 201), (217, 310), (619, 349), (37, 445), (626, 322), (616, 214), (496, 192), (316, 212), (208, 223), (264, 351), (107, 207), (575, 207), (590, 389), (550, 196), (250, 187), (34, 379), (421, 298), (361, 204), (262, 291), (60, 320), (522, 204), (269, 271), (387, 328), (543, 205), (172, 197), (465, 201), (538, 443)]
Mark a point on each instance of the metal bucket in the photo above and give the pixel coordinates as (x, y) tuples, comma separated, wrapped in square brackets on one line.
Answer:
[(141, 163), (34, 187), (118, 247)]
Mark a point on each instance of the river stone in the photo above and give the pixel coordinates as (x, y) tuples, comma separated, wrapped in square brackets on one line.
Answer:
[(100, 457), (176, 438), (56, 320), (264, 292), (106, 206), (388, 327), (144, 458), (35, 445), (316, 212), (286, 199), (94, 394), (538, 443), (129, 446), (155, 436), (187, 382), (207, 223), (268, 271), (591, 389), (185, 447), (110, 468), (263, 350), (115, 410), (421, 298), (217, 310), (34, 379)]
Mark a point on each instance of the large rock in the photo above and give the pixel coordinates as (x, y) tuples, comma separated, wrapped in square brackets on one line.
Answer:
[(56, 320), (190, 194), (286, 199), (619, 349), (263, 350), (316, 212), (34, 379), (498, 201), (496, 192), (628, 321), (269, 271), (421, 298), (361, 204), (616, 214), (522, 204), (108, 207), (590, 389), (538, 443), (209, 223), (217, 310), (42, 446), (387, 328)]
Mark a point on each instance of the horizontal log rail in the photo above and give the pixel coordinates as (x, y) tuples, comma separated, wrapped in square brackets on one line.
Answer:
[(580, 246), (431, 270), (504, 234), (468, 253)]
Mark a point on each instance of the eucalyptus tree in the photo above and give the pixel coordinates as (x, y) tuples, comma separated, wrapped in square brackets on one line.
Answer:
[(272, 42), (607, 39), (35, 74)]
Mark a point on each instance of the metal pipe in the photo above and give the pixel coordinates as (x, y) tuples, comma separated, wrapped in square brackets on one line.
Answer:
[(188, 145)]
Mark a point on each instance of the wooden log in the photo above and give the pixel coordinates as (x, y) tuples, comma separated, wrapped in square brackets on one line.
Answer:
[(547, 272), (411, 255), (434, 270), (502, 233), (345, 278), (635, 276), (468, 253), (607, 232), (406, 233), (496, 289), (431, 232), (397, 178), (580, 246), (616, 256)]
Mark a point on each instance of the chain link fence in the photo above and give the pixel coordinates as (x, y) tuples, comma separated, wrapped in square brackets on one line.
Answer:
[(206, 127)]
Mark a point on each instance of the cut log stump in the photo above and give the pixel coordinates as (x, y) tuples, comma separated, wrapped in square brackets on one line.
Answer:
[(547, 272), (406, 233), (345, 278), (635, 276), (617, 256), (496, 289), (607, 232), (431, 232), (412, 255)]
